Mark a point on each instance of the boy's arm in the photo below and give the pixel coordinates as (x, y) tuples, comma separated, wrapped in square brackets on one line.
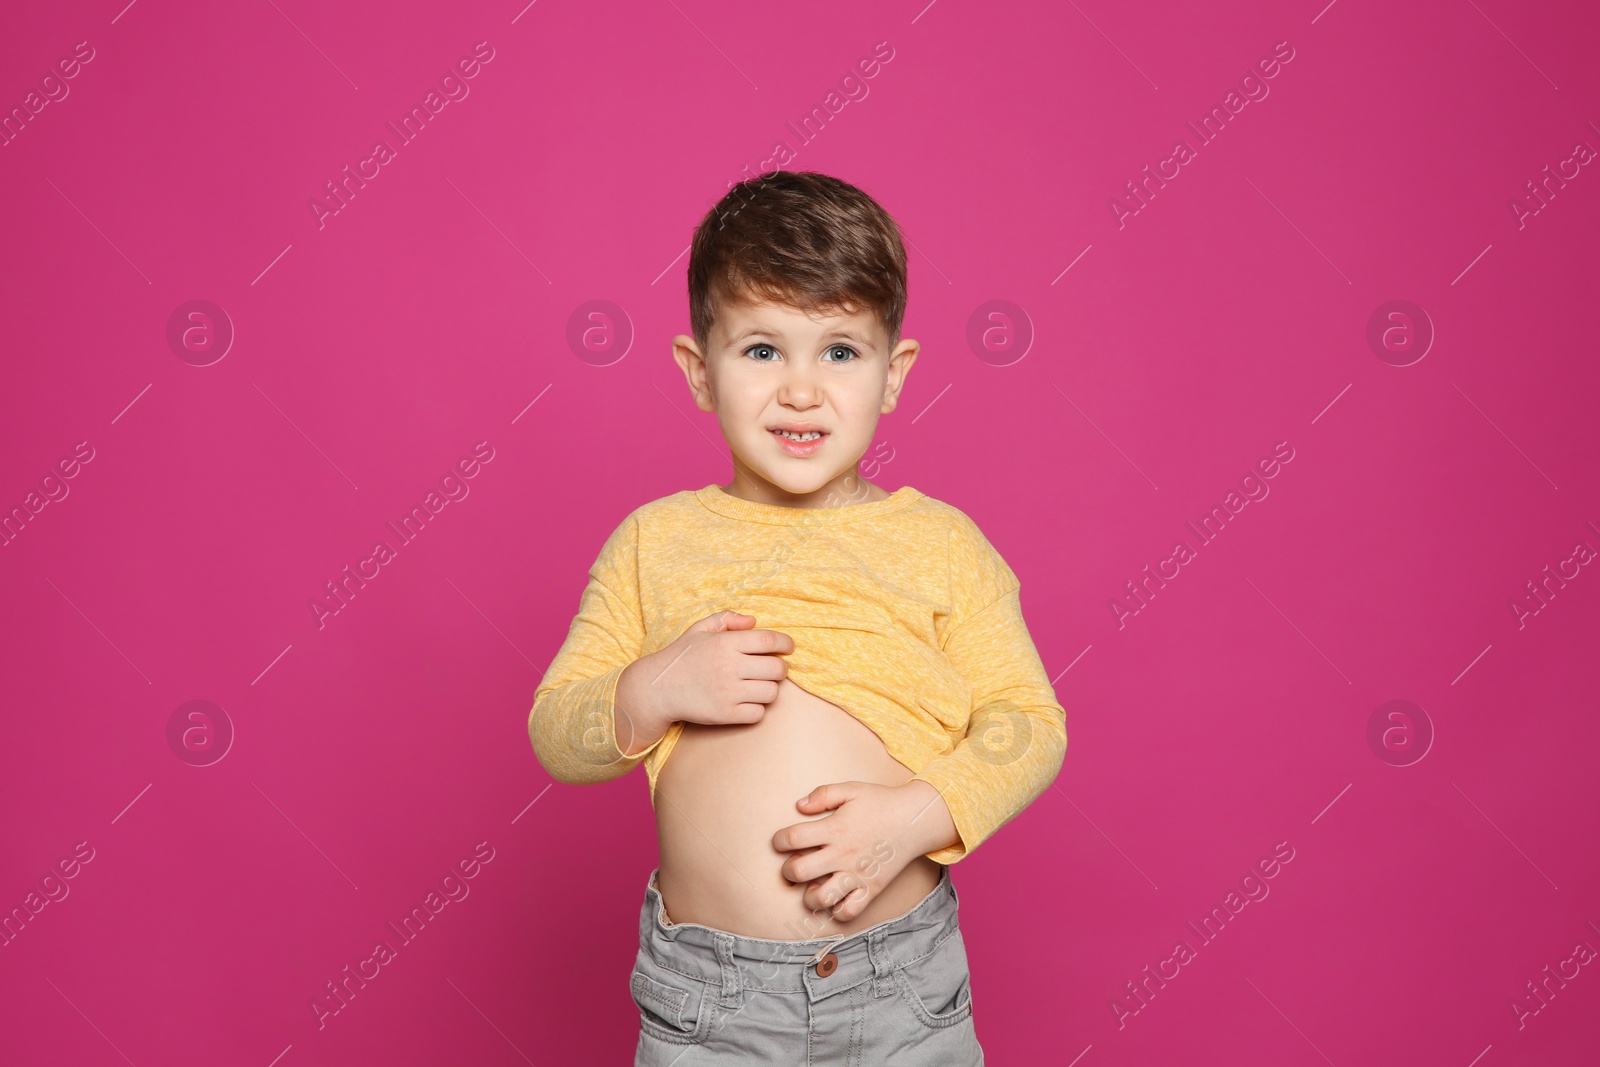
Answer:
[(1017, 737), (575, 721)]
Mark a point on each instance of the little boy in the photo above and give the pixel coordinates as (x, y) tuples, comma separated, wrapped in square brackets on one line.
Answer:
[(893, 685)]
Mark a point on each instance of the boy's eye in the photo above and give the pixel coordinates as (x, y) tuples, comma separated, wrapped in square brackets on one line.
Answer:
[(759, 350)]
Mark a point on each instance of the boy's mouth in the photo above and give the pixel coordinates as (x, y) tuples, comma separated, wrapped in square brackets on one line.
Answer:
[(797, 443)]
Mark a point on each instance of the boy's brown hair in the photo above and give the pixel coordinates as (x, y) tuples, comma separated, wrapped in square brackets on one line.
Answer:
[(802, 239)]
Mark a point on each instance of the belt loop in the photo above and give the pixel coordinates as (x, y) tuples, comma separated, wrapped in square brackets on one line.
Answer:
[(882, 963), (732, 989)]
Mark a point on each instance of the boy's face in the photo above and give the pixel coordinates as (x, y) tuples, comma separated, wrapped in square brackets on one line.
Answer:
[(769, 366)]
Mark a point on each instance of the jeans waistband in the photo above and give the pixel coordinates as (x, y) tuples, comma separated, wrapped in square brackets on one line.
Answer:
[(733, 962)]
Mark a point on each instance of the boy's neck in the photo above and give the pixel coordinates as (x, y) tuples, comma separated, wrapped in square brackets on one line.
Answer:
[(848, 488)]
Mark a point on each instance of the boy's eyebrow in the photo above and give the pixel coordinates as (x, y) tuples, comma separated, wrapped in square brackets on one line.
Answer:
[(762, 331)]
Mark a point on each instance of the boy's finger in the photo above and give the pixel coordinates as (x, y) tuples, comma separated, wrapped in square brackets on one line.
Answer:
[(853, 904), (800, 835), (836, 887), (724, 621), (763, 668), (763, 641)]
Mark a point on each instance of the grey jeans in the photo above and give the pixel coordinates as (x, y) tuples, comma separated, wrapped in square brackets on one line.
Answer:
[(897, 994)]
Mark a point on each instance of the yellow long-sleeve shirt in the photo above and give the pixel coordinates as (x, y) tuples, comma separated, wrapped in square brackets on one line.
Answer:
[(902, 614)]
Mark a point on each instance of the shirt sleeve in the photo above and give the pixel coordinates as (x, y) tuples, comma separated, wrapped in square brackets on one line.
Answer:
[(1016, 738), (572, 721)]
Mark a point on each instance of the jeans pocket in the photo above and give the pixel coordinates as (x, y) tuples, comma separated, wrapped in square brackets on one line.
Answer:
[(672, 1006), (938, 987)]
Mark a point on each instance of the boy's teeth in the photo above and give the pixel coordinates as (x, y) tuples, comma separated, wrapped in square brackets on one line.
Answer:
[(811, 435)]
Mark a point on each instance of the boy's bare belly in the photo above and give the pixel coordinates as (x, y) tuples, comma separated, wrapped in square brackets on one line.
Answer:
[(726, 790)]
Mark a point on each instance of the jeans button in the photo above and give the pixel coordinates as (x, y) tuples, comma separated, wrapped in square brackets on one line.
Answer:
[(827, 965)]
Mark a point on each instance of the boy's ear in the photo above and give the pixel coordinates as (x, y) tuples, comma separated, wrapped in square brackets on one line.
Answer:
[(693, 363), (900, 360)]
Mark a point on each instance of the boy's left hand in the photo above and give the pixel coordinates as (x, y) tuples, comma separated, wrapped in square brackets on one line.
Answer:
[(870, 834)]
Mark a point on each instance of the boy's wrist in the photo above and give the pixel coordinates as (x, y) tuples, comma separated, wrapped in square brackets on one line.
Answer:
[(638, 722), (933, 828)]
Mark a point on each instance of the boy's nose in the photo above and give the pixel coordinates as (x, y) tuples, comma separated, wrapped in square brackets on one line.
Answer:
[(799, 385), (798, 395)]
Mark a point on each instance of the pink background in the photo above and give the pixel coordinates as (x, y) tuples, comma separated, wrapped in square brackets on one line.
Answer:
[(372, 753)]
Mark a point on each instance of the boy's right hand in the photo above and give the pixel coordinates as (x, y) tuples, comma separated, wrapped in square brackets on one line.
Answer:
[(720, 671)]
